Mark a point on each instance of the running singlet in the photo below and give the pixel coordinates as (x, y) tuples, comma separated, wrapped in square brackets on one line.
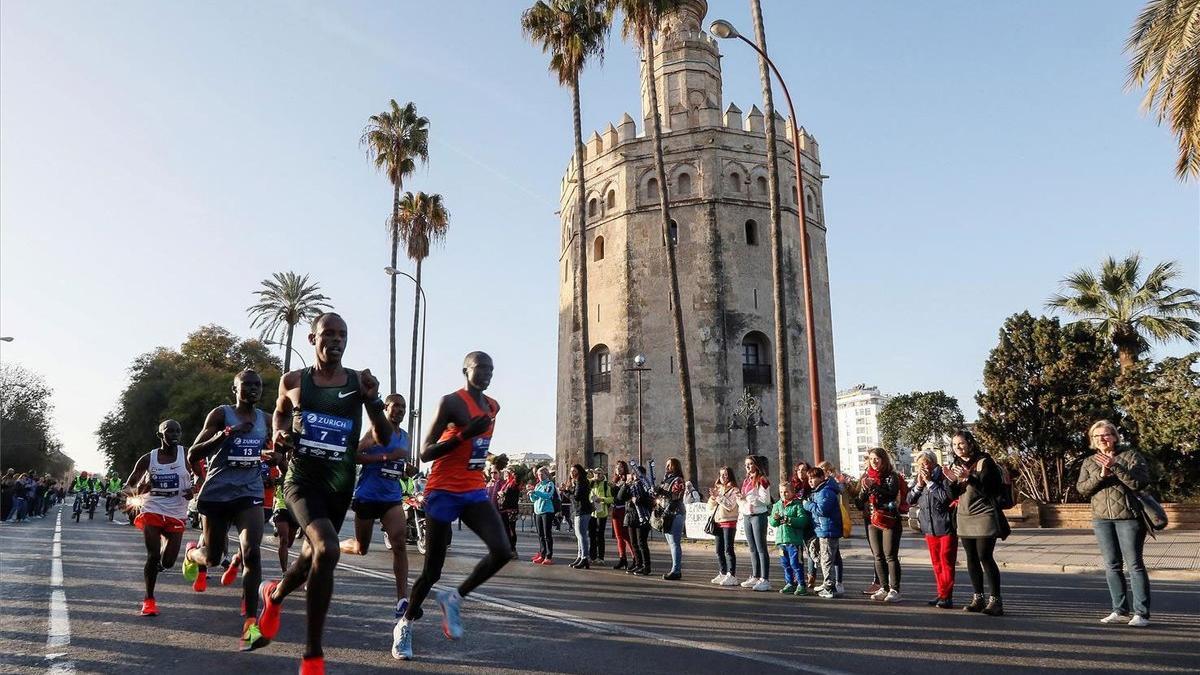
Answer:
[(461, 470), (380, 481), (326, 427), (168, 482), (235, 470)]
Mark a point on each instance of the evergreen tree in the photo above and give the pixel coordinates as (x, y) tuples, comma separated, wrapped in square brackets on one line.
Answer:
[(912, 420)]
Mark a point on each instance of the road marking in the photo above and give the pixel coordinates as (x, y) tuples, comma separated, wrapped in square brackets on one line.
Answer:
[(59, 634)]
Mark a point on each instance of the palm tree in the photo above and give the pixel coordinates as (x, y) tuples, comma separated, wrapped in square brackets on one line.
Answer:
[(783, 389), (421, 223), (395, 141), (571, 32), (1128, 310), (641, 18), (286, 299), (1165, 59)]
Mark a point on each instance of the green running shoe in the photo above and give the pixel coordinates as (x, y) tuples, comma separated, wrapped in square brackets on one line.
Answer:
[(190, 569)]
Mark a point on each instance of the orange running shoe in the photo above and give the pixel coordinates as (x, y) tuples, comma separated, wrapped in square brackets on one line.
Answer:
[(312, 665), (268, 611), (149, 607), (201, 583), (231, 572)]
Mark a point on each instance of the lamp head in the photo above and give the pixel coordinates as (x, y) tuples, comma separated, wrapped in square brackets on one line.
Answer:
[(639, 361), (723, 29), (391, 271)]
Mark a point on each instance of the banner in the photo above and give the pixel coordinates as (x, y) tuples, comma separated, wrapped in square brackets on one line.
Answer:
[(697, 516)]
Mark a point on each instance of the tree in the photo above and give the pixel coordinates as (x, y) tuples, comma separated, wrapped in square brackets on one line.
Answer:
[(641, 19), (913, 420), (1128, 310), (285, 300), (1163, 404), (183, 385), (395, 140), (571, 32), (1163, 47), (27, 423), (421, 224), (1044, 384)]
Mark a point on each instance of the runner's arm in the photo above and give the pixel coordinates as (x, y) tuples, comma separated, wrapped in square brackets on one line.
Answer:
[(209, 439), (444, 417), (139, 474), (366, 443)]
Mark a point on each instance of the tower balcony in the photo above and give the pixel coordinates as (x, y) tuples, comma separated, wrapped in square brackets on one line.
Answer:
[(757, 373)]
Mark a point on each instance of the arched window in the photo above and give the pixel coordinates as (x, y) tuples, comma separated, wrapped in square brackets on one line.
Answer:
[(598, 249), (756, 370), (760, 185), (735, 182), (673, 232), (685, 184), (652, 189), (593, 207), (808, 204), (612, 199), (600, 369), (751, 233)]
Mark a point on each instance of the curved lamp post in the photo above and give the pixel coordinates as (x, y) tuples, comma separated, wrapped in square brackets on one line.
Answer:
[(414, 413), (725, 30)]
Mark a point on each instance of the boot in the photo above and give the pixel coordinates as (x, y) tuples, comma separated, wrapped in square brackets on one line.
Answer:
[(995, 607), (976, 604), (574, 563), (621, 564), (584, 564)]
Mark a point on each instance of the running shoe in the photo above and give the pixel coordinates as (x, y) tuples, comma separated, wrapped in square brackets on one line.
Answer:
[(717, 579), (1115, 617), (252, 637), (402, 640), (762, 585), (201, 583), (268, 611), (729, 580), (312, 665), (788, 589), (801, 590), (879, 595), (1139, 621), (190, 569), (450, 602), (149, 607), (401, 609), (546, 561), (537, 559), (892, 596), (231, 572), (749, 582)]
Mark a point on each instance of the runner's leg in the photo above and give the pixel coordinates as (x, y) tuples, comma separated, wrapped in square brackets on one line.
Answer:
[(363, 529), (437, 539), (153, 539), (396, 525), (484, 520), (171, 542), (249, 524), (212, 543)]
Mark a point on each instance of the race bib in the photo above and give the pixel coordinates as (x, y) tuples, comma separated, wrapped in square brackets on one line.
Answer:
[(479, 451), (393, 469), (164, 484), (324, 436), (244, 452)]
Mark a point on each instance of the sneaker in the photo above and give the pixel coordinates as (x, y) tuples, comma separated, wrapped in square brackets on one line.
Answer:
[(870, 590), (450, 602), (268, 611), (401, 609), (945, 603), (149, 607), (312, 665), (762, 585), (190, 569), (839, 589), (892, 596), (717, 579), (537, 559), (729, 580), (879, 595), (546, 561), (749, 583), (402, 640), (788, 589), (252, 637), (231, 572), (826, 593), (1139, 621), (800, 590), (672, 576), (201, 583), (1115, 617)]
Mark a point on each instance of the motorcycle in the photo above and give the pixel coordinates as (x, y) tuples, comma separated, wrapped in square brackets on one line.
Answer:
[(414, 510)]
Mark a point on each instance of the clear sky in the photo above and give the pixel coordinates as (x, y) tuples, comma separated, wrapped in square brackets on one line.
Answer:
[(157, 160)]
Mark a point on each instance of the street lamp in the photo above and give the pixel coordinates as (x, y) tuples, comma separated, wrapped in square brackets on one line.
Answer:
[(6, 339), (748, 412), (725, 30), (414, 415), (639, 367), (294, 351)]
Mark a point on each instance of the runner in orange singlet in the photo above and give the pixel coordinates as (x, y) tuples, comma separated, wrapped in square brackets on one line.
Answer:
[(457, 444)]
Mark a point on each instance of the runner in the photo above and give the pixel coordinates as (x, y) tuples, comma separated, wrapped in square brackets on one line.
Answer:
[(232, 445), (318, 420), (163, 511), (457, 444), (379, 496), (286, 526)]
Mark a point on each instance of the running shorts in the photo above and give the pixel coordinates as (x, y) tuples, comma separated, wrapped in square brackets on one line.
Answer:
[(308, 503), (227, 511), (372, 510), (286, 516), (165, 523), (446, 507)]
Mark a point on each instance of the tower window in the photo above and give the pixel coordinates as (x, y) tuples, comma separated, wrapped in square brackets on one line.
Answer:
[(600, 365), (760, 184), (673, 232), (755, 369), (612, 199), (751, 233), (735, 182), (685, 184), (808, 203), (598, 249), (593, 207), (652, 189)]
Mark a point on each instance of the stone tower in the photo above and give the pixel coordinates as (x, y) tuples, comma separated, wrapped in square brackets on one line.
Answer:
[(717, 184)]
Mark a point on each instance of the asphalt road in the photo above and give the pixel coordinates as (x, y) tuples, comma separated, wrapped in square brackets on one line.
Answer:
[(559, 620)]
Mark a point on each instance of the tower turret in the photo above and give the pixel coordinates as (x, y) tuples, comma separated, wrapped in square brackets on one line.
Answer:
[(687, 71)]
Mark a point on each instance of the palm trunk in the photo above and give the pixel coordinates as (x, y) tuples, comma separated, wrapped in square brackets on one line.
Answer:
[(685, 378), (412, 377), (1127, 356), (783, 393), (287, 353), (581, 295), (395, 230)]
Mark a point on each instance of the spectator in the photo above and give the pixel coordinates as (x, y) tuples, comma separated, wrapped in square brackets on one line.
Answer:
[(825, 508), (564, 504), (620, 531), (581, 504), (838, 568), (932, 494), (723, 497), (879, 491), (754, 505), (6, 495), (790, 520), (542, 497), (1108, 479), (670, 502), (977, 483), (691, 495), (509, 496), (602, 497), (635, 493)]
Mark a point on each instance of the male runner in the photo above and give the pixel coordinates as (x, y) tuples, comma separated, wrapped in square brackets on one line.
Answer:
[(457, 445), (318, 419), (232, 445), (379, 496), (165, 507)]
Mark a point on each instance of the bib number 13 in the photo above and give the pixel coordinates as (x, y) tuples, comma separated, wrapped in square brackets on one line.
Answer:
[(479, 451)]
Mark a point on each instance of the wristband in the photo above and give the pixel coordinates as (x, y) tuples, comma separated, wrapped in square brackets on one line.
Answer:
[(374, 405), (228, 431)]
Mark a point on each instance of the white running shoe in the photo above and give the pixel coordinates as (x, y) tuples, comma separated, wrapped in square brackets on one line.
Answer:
[(1139, 621), (879, 595), (762, 585), (892, 596), (450, 602), (749, 583), (826, 593), (717, 579), (402, 640), (729, 580), (1115, 617)]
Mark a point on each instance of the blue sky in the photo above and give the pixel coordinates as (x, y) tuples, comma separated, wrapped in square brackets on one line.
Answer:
[(157, 160)]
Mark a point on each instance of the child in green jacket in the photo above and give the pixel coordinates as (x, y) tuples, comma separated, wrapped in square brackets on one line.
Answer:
[(790, 520)]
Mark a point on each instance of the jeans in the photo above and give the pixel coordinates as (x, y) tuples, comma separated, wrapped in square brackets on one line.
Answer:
[(545, 522), (943, 553), (581, 535), (1121, 542), (726, 558), (756, 536), (830, 555), (674, 537), (981, 561), (885, 546), (791, 559)]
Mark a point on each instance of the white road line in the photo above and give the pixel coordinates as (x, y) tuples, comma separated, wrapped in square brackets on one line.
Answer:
[(59, 634)]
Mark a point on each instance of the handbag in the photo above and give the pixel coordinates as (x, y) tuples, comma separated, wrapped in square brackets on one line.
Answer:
[(884, 521), (914, 519), (710, 526), (1152, 515)]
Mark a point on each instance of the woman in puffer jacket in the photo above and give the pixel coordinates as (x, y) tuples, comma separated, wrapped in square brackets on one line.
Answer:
[(1109, 479), (932, 495)]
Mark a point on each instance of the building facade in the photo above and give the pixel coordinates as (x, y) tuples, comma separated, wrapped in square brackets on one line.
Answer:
[(858, 429), (718, 189)]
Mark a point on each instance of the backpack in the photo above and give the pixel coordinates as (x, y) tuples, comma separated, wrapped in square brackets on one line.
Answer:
[(1006, 498), (556, 500), (846, 522)]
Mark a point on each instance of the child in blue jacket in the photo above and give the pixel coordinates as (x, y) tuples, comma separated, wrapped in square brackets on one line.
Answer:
[(825, 507)]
